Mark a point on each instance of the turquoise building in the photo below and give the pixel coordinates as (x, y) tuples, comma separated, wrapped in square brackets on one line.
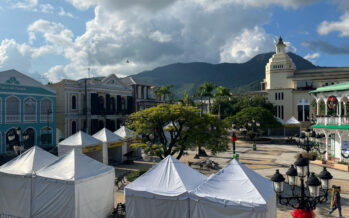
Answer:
[(30, 105)]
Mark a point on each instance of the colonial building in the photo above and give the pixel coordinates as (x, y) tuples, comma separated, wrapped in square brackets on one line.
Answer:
[(143, 93), (288, 88), (102, 101), (332, 119), (28, 104)]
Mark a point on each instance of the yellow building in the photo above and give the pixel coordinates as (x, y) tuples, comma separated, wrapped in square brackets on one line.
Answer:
[(288, 88)]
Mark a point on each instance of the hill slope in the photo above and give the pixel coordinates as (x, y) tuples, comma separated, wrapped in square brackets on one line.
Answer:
[(238, 77)]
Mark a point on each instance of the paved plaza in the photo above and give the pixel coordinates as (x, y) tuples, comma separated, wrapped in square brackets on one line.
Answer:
[(265, 160)]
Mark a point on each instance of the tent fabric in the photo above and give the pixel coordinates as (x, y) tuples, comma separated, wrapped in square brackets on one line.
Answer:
[(163, 191), (124, 132), (292, 121), (169, 179), (76, 186), (78, 141), (106, 135), (234, 191), (280, 120), (17, 175)]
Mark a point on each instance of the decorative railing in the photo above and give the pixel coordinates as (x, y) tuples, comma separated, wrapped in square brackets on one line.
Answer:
[(29, 118), (340, 121), (45, 117), (13, 118)]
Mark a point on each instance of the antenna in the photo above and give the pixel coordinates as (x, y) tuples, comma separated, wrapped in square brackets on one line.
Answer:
[(88, 70)]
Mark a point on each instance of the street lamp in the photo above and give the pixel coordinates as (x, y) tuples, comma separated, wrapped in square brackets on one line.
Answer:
[(14, 138), (300, 199)]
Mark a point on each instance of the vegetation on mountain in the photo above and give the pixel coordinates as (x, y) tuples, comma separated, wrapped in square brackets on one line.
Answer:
[(237, 77)]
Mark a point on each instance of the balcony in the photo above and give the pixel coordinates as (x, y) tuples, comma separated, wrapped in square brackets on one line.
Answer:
[(29, 118), (13, 118), (339, 121), (45, 117)]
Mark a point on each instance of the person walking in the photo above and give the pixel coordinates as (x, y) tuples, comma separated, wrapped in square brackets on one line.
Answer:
[(337, 201)]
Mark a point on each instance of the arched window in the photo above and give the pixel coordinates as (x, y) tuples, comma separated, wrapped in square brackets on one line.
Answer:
[(46, 110), (46, 136), (30, 141), (13, 110), (29, 110), (73, 102), (73, 127)]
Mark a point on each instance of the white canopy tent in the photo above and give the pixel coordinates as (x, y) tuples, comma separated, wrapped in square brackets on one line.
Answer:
[(235, 191), (114, 146), (163, 191), (292, 121), (83, 143), (124, 132), (16, 179), (74, 186)]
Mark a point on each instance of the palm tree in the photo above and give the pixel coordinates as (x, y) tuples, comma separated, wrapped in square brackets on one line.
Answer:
[(221, 93), (200, 92), (164, 90), (187, 101), (208, 88)]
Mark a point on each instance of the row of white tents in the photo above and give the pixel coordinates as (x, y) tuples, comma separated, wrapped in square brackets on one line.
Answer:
[(39, 184), (172, 189), (103, 146)]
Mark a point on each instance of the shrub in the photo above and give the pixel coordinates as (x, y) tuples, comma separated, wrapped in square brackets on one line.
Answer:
[(135, 174)]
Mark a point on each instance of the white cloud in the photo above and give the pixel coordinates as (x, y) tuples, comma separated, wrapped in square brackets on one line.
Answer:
[(341, 26), (31, 5), (15, 56), (160, 37), (64, 13), (312, 57)]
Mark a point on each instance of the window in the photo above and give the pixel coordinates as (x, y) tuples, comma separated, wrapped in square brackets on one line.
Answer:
[(10, 144), (73, 127), (279, 96), (303, 108), (139, 93), (276, 96), (13, 110), (46, 110), (300, 112), (282, 112), (306, 112), (46, 136), (101, 103), (123, 104), (112, 103), (29, 110), (282, 96), (73, 102), (0, 116)]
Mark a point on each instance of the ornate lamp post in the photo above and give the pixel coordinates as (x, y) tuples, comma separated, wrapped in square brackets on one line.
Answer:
[(304, 199)]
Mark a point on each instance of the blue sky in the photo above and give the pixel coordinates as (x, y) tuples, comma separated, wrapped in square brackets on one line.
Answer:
[(56, 39)]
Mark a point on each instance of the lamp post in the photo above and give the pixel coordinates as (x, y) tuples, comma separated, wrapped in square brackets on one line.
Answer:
[(305, 198), (14, 138), (308, 145)]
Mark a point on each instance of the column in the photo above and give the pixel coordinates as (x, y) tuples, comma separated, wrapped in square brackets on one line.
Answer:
[(339, 111), (318, 106)]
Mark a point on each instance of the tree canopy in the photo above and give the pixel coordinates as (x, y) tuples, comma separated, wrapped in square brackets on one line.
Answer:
[(169, 129), (165, 91)]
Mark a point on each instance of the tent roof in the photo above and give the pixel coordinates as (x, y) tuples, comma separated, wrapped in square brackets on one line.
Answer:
[(73, 166), (124, 132), (80, 139), (105, 135), (236, 186), (280, 120), (28, 162), (170, 178), (292, 121)]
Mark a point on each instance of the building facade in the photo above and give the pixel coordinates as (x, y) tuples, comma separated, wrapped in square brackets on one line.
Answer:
[(332, 119), (91, 104), (143, 93), (288, 88), (28, 104)]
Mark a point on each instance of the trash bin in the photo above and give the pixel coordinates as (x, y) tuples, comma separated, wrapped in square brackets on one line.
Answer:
[(236, 156)]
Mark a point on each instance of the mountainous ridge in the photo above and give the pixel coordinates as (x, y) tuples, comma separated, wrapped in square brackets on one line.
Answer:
[(239, 77)]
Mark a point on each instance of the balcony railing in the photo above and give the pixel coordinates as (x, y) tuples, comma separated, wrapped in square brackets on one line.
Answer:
[(13, 118), (29, 118), (340, 121), (45, 117)]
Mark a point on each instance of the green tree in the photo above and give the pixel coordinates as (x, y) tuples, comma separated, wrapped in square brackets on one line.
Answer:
[(250, 116), (206, 90), (168, 129), (221, 94), (187, 101), (165, 91)]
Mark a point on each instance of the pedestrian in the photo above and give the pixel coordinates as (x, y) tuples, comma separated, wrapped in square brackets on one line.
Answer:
[(337, 201)]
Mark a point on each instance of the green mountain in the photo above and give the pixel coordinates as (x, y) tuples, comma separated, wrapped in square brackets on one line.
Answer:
[(238, 77)]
